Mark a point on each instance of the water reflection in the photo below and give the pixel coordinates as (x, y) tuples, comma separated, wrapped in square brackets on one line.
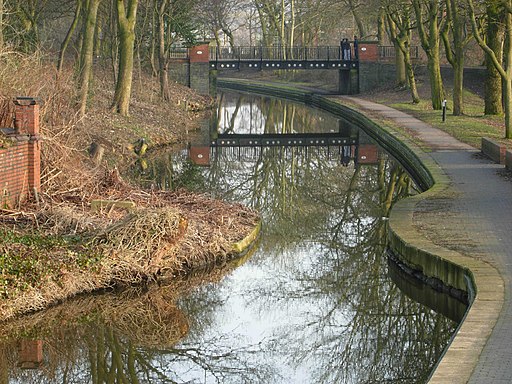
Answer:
[(314, 304), (119, 337)]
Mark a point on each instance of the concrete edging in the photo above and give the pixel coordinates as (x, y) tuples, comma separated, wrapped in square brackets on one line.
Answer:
[(243, 245), (482, 281), (494, 150)]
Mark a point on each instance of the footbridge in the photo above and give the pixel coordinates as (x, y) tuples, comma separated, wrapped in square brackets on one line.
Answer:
[(285, 58), (205, 61), (282, 140), (359, 67)]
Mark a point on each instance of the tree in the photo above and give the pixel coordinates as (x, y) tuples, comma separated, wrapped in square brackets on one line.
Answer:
[(126, 20), (173, 20), (430, 41), (505, 68), (494, 39), (87, 53), (221, 16), (354, 7), (1, 24), (399, 27), (69, 34), (457, 18)]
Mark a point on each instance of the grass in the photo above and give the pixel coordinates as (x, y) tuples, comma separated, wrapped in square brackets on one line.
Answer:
[(27, 260), (468, 128)]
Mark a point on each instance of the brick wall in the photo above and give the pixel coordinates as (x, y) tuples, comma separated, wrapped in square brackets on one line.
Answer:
[(368, 51), (20, 157)]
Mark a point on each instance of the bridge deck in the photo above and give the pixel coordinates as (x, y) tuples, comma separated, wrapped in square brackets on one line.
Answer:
[(325, 57)]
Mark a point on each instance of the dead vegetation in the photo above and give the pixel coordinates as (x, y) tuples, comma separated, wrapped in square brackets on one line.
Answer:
[(56, 248)]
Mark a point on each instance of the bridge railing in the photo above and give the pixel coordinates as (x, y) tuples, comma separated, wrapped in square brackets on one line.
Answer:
[(389, 52), (179, 53), (322, 53)]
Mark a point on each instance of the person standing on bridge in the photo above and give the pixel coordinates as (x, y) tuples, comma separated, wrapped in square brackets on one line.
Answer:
[(345, 49), (356, 48)]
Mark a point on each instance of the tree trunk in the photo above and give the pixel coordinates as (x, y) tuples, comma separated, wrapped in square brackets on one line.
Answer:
[(357, 18), (1, 25), (494, 39), (401, 72), (508, 106), (504, 68), (126, 17), (154, 40), (436, 81), (430, 44), (87, 52), (381, 27), (398, 29), (458, 84), (455, 55), (162, 61), (411, 79), (69, 34), (507, 79), (292, 25)]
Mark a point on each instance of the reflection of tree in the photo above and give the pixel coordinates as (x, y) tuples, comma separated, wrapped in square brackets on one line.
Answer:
[(363, 329), (322, 252), (166, 170), (124, 337), (259, 115)]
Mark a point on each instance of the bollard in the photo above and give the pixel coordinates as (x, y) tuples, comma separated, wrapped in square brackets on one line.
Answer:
[(444, 110)]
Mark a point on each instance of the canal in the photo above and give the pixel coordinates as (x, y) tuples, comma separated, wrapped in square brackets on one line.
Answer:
[(317, 300)]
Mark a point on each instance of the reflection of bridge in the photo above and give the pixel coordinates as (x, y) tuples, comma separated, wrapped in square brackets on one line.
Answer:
[(250, 147), (282, 140)]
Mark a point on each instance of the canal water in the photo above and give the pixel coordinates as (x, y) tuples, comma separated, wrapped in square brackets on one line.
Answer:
[(316, 301)]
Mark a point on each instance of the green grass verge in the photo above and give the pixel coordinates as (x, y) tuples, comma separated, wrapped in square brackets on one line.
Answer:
[(468, 128)]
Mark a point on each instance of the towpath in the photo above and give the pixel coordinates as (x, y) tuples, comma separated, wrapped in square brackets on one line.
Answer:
[(483, 214)]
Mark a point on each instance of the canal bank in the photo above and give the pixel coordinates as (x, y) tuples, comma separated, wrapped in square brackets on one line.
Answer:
[(441, 261)]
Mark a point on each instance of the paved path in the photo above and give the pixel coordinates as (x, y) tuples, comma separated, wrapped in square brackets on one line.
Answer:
[(484, 214)]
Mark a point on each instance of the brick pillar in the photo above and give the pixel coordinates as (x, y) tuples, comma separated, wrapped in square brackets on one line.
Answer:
[(368, 51), (200, 53), (27, 124)]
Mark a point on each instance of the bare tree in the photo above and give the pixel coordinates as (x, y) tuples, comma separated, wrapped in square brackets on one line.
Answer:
[(69, 34), (87, 53), (494, 39), (457, 17), (504, 68), (1, 24), (429, 33), (399, 27), (126, 18)]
